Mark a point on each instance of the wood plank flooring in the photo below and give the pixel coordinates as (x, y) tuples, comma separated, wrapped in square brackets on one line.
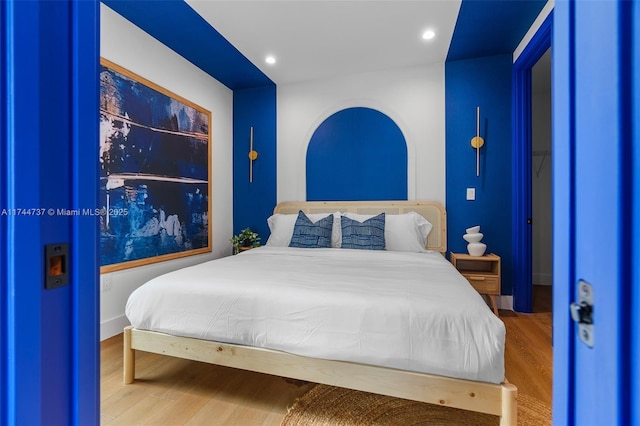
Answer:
[(171, 391)]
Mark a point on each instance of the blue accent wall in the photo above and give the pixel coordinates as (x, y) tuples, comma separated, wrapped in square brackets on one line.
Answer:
[(253, 202), (50, 355), (357, 154), (179, 27), (491, 27), (483, 82)]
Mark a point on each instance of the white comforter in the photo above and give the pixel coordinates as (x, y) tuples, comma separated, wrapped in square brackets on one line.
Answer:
[(411, 311)]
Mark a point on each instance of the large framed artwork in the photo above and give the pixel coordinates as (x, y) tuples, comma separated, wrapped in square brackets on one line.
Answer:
[(155, 172)]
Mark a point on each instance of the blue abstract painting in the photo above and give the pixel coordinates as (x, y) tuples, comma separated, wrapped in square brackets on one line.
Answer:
[(154, 172)]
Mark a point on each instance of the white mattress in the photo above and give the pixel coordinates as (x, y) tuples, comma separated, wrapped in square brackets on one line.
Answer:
[(411, 311)]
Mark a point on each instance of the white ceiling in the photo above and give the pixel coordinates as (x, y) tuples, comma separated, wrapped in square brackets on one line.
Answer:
[(318, 39)]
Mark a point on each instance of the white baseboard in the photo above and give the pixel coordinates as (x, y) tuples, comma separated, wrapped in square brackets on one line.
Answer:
[(505, 302), (113, 326)]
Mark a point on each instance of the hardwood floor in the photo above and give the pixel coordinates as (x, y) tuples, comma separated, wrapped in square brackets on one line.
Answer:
[(529, 353), (171, 391), (542, 298)]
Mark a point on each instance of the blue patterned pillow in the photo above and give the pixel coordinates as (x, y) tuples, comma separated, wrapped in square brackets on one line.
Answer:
[(307, 234), (367, 235)]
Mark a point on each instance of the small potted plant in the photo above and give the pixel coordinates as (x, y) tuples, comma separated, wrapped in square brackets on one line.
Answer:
[(245, 240)]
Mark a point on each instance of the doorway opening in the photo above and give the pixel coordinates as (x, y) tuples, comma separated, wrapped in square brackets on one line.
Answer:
[(541, 159), (524, 166)]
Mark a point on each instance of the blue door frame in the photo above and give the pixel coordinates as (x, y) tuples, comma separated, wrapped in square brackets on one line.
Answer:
[(49, 344), (522, 240), (635, 233)]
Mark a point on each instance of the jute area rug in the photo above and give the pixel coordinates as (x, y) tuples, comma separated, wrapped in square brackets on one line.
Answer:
[(332, 406)]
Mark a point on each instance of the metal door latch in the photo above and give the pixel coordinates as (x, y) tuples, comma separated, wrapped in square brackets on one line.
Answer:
[(582, 312)]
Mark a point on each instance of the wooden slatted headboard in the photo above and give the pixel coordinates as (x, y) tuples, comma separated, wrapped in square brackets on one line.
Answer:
[(433, 211)]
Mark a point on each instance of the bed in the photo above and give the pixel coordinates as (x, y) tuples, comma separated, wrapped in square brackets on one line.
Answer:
[(406, 325)]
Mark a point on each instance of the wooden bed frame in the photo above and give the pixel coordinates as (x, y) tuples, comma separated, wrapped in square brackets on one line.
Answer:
[(496, 399)]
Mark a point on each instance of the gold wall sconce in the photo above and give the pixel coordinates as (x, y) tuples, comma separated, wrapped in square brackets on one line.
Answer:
[(477, 142), (252, 156)]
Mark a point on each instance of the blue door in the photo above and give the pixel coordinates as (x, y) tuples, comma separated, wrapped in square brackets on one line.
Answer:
[(593, 209), (49, 344)]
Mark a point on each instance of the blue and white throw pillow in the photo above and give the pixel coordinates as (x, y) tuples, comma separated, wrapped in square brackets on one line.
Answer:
[(307, 234), (367, 235)]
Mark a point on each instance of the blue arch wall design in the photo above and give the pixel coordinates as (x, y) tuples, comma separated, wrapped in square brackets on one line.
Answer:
[(357, 154)]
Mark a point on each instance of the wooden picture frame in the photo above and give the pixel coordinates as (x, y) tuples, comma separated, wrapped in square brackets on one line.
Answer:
[(155, 172)]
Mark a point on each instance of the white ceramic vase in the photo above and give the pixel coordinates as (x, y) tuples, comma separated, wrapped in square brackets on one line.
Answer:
[(473, 237), (473, 229), (476, 249)]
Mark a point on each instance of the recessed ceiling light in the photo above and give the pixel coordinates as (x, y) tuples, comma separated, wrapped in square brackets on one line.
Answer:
[(270, 60), (428, 35)]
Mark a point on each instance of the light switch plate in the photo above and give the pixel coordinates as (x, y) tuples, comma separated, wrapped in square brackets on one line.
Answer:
[(105, 283), (471, 194)]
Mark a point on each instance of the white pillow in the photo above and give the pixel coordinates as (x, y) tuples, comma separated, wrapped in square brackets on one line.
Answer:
[(281, 227), (402, 232)]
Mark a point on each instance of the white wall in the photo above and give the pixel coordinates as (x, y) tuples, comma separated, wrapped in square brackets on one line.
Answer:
[(412, 97), (128, 46)]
